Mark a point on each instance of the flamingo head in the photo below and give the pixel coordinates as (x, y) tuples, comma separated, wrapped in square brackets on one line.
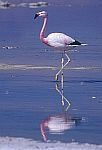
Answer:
[(41, 14)]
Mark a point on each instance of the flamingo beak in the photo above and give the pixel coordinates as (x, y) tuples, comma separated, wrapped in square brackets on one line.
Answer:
[(36, 15)]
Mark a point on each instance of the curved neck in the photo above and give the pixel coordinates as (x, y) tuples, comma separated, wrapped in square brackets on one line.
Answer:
[(43, 28)]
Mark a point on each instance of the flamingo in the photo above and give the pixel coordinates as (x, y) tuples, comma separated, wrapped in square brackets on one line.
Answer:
[(58, 41)]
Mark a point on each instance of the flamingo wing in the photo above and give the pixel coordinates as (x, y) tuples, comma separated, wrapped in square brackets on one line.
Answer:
[(59, 40)]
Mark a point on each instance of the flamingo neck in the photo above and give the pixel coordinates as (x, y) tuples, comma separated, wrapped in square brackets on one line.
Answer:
[(43, 29)]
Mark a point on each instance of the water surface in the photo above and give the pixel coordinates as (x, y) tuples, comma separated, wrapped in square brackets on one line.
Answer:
[(28, 96)]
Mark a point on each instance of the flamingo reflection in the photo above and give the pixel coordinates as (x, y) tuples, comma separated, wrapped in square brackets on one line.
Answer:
[(58, 124)]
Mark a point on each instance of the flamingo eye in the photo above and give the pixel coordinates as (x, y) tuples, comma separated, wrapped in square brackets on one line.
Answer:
[(42, 13)]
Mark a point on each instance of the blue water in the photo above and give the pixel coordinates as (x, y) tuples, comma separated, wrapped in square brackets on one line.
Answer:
[(28, 97)]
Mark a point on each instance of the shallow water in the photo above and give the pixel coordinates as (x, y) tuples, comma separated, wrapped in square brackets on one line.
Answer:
[(30, 105)]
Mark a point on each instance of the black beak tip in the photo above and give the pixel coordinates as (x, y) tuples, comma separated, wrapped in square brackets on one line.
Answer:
[(36, 15)]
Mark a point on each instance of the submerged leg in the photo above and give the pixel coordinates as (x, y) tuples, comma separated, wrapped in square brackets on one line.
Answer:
[(68, 60), (63, 98)]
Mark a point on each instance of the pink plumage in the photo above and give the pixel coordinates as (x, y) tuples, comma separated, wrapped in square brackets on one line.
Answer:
[(59, 40)]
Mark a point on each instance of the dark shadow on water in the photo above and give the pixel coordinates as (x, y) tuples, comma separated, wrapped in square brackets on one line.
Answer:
[(84, 81), (74, 81)]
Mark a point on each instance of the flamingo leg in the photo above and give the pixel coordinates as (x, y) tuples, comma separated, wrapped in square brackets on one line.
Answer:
[(62, 81), (63, 66), (63, 98)]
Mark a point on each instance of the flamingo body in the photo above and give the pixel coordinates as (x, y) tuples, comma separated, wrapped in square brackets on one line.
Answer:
[(59, 40)]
